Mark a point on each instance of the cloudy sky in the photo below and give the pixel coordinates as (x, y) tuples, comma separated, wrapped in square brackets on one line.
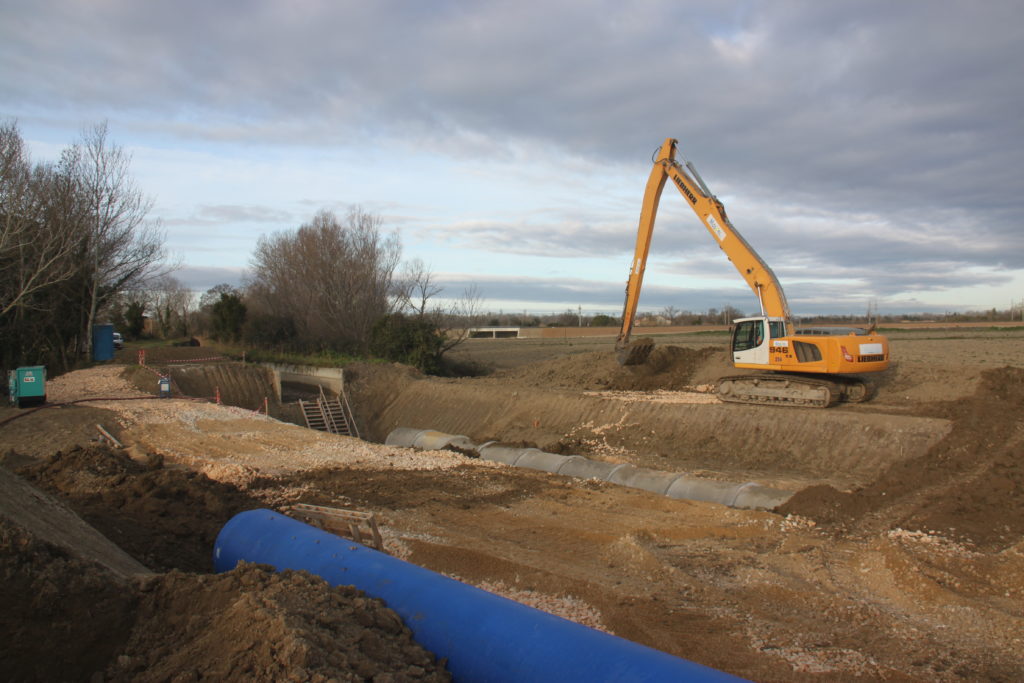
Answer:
[(872, 151)]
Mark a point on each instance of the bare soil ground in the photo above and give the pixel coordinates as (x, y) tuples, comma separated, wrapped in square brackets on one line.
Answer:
[(900, 556)]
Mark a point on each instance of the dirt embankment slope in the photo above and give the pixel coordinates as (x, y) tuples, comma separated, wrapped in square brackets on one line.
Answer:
[(662, 415), (970, 485)]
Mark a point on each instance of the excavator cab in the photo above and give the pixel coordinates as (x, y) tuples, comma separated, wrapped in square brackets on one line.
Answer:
[(752, 338)]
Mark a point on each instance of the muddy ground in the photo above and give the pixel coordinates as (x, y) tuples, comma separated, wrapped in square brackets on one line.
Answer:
[(900, 555)]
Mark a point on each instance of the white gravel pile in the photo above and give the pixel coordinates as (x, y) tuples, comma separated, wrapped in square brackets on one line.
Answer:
[(103, 381), (233, 444)]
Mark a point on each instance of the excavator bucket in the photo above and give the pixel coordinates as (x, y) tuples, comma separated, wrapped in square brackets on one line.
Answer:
[(635, 352)]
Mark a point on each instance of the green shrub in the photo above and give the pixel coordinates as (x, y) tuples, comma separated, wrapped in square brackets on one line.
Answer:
[(409, 340), (269, 331)]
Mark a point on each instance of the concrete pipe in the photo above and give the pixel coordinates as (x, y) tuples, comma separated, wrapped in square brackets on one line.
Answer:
[(749, 496), (584, 468), (641, 478), (503, 454), (744, 495), (753, 496), (428, 440), (484, 637), (403, 437), (707, 490), (535, 459)]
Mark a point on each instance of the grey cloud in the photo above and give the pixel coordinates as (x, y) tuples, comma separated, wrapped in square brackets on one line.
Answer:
[(595, 296), (229, 214), (202, 278), (805, 298), (903, 116)]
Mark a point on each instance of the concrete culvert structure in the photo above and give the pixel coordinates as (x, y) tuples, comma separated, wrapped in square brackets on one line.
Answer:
[(749, 495)]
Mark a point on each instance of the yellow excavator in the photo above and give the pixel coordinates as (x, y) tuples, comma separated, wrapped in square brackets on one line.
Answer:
[(814, 367)]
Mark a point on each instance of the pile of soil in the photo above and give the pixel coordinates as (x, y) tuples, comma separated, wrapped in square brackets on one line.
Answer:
[(969, 486), (66, 618), (63, 618), (165, 518), (254, 624)]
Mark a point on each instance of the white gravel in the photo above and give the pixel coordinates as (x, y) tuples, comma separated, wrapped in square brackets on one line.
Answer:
[(233, 444)]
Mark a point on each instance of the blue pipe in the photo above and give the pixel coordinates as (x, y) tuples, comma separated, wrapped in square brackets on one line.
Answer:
[(485, 637)]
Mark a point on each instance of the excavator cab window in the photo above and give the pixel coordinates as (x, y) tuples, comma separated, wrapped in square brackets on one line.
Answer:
[(777, 329), (749, 334)]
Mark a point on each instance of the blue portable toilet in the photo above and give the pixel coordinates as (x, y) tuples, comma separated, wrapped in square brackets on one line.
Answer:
[(102, 342), (27, 385)]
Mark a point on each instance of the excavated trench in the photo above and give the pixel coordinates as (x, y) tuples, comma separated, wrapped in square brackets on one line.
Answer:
[(235, 384), (668, 431), (787, 448)]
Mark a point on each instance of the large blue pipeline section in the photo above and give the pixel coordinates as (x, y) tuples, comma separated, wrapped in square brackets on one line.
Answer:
[(485, 637)]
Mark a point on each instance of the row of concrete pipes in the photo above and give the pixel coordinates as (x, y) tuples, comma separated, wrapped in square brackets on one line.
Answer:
[(747, 495)]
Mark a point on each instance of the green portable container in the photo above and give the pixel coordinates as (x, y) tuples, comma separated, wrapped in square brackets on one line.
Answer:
[(27, 385)]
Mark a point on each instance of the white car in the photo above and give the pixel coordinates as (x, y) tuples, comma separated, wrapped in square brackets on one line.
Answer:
[(118, 341)]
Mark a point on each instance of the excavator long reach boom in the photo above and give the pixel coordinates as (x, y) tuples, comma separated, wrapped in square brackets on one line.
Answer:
[(767, 342)]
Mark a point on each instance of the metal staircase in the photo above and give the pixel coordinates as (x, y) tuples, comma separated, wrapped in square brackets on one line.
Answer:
[(330, 415)]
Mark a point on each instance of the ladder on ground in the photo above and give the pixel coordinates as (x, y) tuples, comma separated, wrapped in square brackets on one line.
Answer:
[(330, 415)]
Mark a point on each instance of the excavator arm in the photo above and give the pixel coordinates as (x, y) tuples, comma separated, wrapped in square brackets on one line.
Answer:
[(758, 276)]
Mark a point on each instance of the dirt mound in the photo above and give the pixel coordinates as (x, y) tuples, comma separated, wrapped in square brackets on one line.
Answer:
[(970, 485), (62, 618), (253, 624), (68, 619), (164, 518), (668, 367)]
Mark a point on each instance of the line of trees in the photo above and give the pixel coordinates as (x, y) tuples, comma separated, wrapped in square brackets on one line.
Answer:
[(672, 316), (669, 315), (73, 235)]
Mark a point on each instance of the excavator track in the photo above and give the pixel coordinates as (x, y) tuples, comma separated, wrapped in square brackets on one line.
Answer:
[(792, 390)]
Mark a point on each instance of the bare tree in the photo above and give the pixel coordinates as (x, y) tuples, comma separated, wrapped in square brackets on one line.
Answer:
[(461, 315), (120, 246), (333, 278), (72, 235), (35, 253), (730, 313), (171, 305), (415, 287)]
